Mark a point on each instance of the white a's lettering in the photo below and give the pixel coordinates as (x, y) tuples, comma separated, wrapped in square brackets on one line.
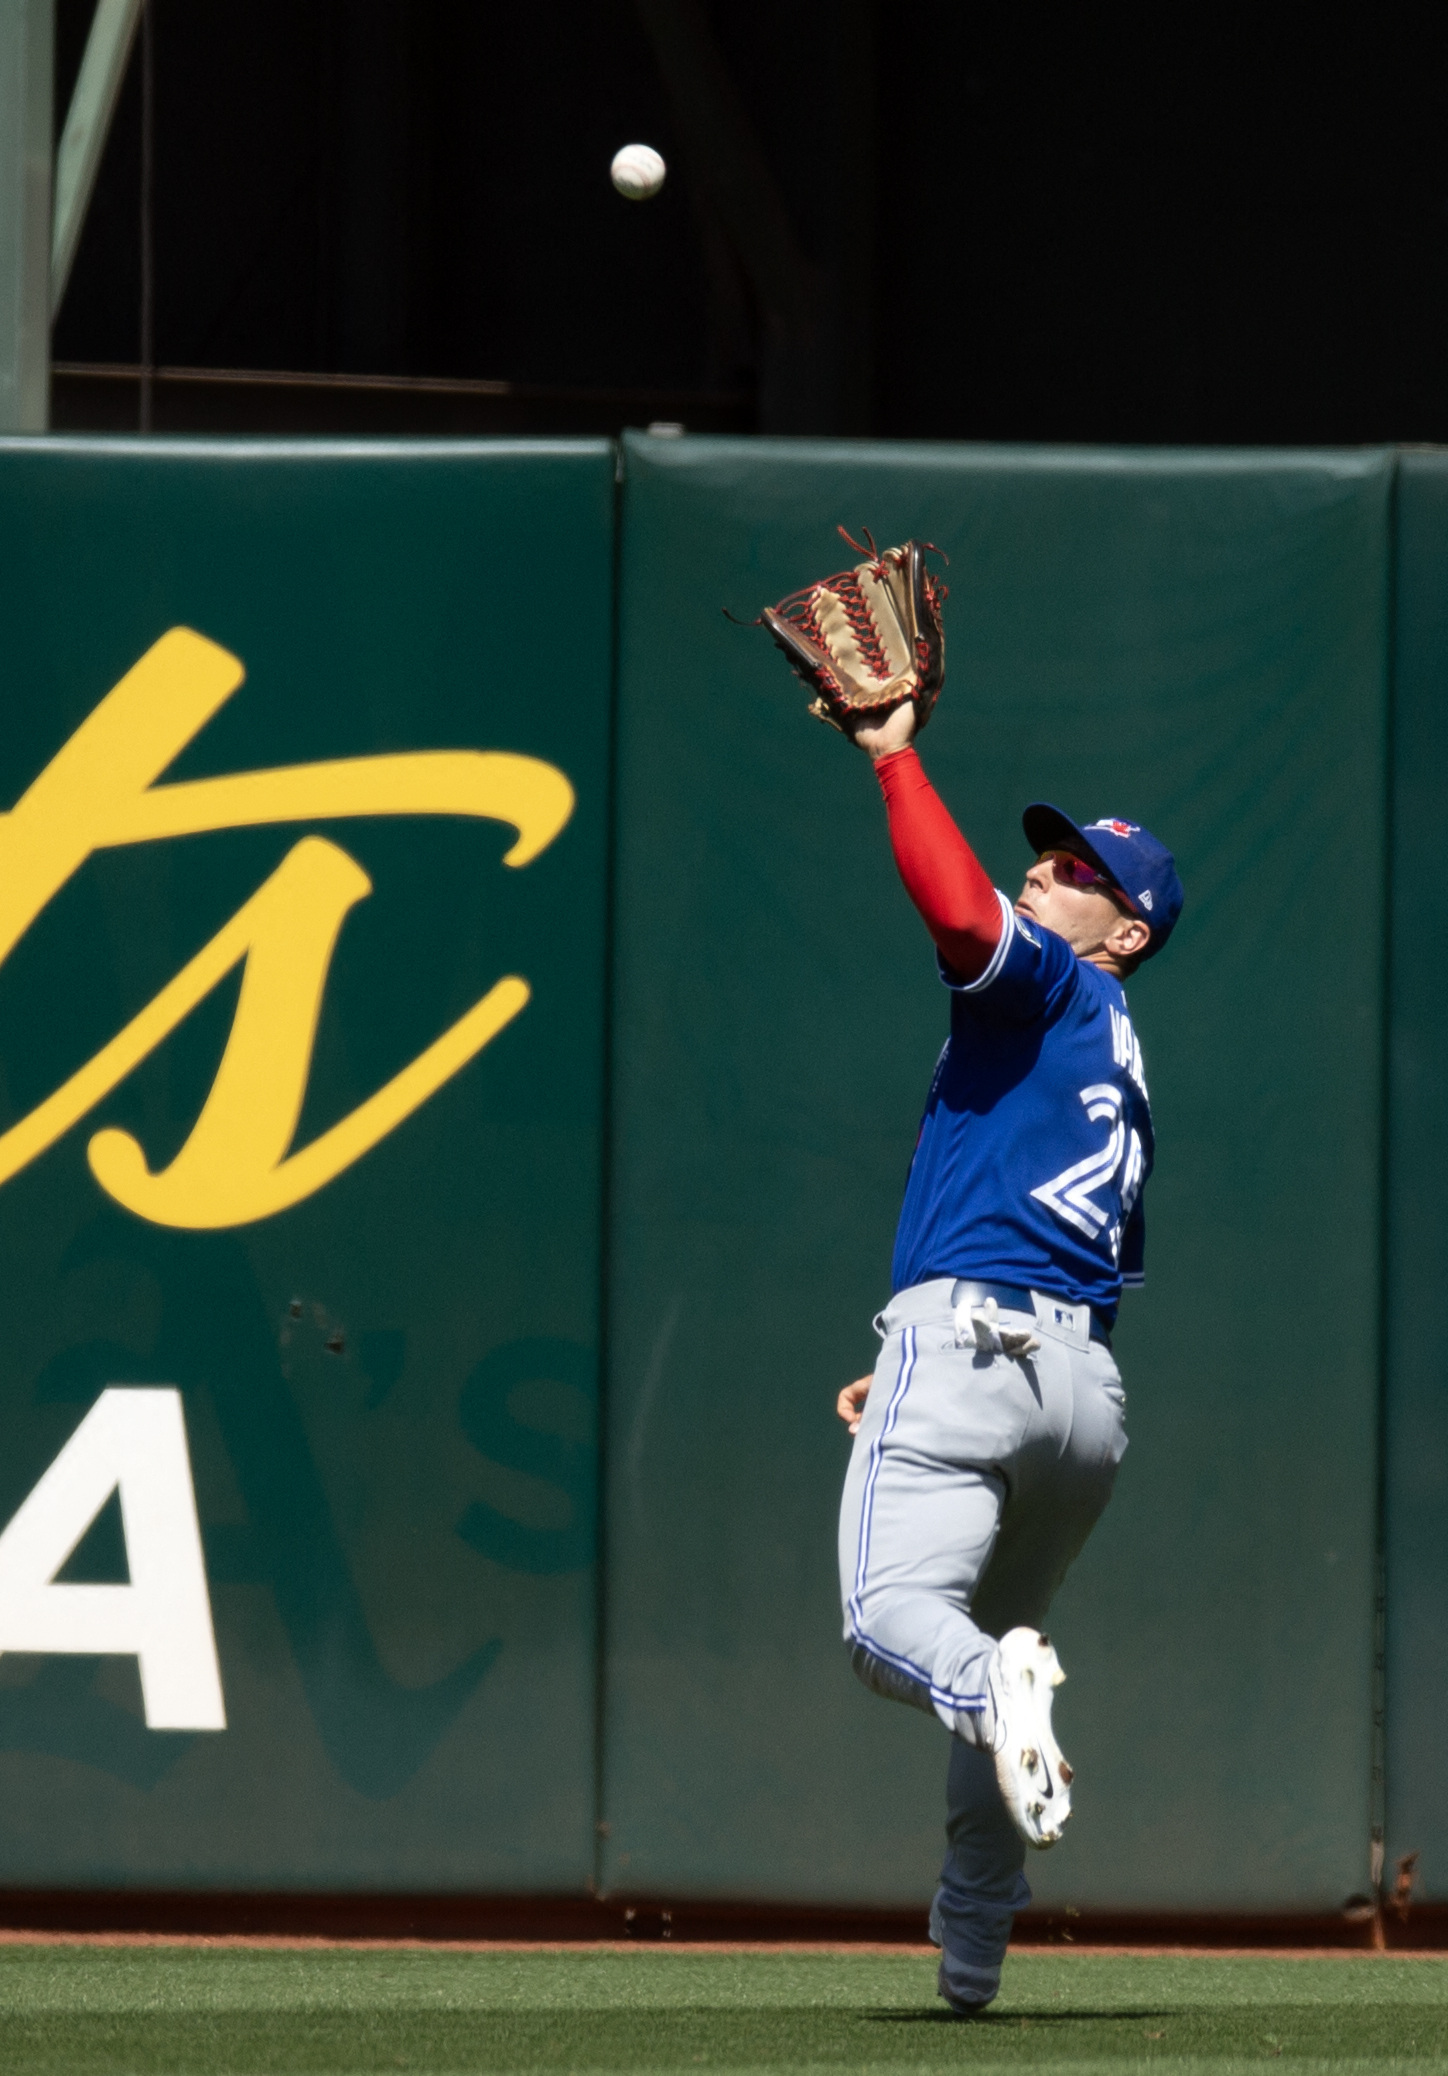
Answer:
[(134, 1440)]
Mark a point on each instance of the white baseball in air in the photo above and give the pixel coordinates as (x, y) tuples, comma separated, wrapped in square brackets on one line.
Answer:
[(638, 171)]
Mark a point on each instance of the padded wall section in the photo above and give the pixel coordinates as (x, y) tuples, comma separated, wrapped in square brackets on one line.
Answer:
[(390, 1385), (1198, 642), (1416, 1486)]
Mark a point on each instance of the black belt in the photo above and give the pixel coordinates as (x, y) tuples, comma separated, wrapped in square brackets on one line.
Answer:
[(1012, 1297)]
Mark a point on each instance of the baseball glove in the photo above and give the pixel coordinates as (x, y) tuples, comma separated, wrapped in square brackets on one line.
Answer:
[(868, 639)]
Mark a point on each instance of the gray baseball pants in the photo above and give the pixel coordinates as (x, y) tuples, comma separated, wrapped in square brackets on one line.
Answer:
[(975, 1480)]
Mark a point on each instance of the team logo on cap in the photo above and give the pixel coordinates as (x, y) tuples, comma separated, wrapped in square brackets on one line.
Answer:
[(1117, 828)]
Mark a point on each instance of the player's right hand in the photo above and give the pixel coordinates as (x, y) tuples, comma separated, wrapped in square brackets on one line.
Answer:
[(850, 1405)]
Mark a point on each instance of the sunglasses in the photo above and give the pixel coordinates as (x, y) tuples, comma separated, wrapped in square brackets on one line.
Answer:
[(1072, 871)]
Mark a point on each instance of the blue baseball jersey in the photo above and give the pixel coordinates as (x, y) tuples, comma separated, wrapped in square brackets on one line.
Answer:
[(1036, 1140)]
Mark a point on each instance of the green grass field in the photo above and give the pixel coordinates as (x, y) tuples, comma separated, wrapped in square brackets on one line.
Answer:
[(116, 2010)]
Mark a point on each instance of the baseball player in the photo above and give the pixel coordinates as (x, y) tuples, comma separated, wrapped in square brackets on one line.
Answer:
[(988, 1438)]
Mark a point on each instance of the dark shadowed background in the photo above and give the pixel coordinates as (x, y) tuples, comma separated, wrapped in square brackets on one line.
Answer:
[(918, 220)]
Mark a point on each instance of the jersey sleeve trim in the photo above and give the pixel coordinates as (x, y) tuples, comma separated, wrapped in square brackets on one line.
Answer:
[(997, 957)]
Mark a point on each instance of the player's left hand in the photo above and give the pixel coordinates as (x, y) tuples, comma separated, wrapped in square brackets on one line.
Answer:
[(882, 738), (850, 1405)]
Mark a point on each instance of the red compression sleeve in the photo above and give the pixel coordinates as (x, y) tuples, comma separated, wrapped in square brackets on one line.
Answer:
[(941, 872)]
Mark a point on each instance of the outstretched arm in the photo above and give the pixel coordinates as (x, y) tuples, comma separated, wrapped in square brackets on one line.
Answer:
[(942, 874)]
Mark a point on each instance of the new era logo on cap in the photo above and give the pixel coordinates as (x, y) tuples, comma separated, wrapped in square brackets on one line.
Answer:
[(1144, 897)]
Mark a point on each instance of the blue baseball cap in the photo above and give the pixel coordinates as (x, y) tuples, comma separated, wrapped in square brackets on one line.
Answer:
[(1142, 870)]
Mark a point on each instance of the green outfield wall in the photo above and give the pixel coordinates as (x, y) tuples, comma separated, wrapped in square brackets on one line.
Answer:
[(461, 1041), (390, 1385), (1415, 1513), (1198, 642)]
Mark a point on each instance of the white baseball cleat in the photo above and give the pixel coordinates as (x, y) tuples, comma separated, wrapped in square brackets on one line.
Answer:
[(1035, 1780)]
